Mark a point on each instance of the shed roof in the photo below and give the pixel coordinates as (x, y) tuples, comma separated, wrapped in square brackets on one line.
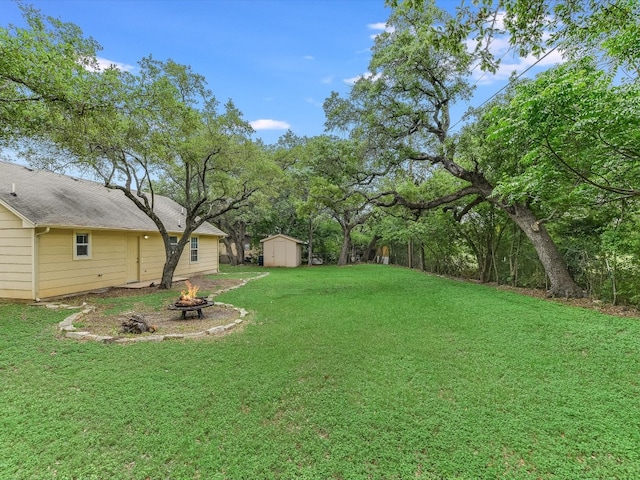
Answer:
[(47, 199), (280, 235)]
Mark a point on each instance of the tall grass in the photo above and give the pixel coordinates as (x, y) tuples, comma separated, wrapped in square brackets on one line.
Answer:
[(343, 373)]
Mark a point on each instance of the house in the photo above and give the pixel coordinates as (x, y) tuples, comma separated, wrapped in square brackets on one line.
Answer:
[(281, 251), (62, 235)]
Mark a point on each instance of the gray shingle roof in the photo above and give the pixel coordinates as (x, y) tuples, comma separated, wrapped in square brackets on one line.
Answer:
[(49, 199)]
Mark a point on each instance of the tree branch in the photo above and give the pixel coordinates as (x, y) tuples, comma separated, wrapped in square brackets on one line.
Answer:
[(425, 205)]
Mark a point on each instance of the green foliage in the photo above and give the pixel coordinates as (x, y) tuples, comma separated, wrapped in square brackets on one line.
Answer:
[(566, 143), (48, 75), (160, 130), (570, 128), (564, 146), (608, 30), (361, 372), (336, 175)]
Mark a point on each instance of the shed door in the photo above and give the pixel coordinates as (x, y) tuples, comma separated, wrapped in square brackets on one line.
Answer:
[(280, 253), (133, 259)]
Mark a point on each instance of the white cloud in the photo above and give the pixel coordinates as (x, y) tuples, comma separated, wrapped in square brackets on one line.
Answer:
[(518, 65), (353, 80), (379, 27), (104, 64), (313, 101), (269, 124), (499, 46), (328, 79), (499, 20), (510, 62), (309, 57)]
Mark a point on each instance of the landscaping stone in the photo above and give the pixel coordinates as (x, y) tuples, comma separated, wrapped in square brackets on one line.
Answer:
[(171, 336), (104, 339), (78, 335), (71, 331), (150, 338)]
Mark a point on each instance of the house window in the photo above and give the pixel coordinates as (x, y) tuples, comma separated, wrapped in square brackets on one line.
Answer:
[(194, 249), (173, 241), (82, 245)]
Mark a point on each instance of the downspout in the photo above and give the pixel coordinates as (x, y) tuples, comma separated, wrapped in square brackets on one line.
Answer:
[(36, 264)]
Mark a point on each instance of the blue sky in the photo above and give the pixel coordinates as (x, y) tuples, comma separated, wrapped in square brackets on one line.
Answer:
[(276, 59)]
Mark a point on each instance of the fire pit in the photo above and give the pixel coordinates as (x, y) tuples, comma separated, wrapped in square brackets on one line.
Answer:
[(190, 308), (189, 302)]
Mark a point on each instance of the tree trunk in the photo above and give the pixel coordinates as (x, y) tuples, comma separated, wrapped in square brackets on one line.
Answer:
[(228, 244), (344, 251), (234, 241), (310, 246), (170, 267), (238, 239), (514, 255), (371, 249), (562, 284)]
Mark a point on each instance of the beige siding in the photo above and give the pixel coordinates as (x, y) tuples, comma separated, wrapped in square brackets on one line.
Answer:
[(16, 251), (152, 257), (60, 273), (207, 257)]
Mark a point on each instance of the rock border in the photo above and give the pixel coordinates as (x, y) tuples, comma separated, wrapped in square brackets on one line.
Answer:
[(70, 331)]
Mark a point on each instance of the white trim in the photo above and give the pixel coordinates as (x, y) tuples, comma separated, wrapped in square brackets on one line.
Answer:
[(26, 223), (191, 250), (75, 245)]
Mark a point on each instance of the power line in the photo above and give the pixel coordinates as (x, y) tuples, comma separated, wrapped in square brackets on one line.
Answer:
[(509, 82)]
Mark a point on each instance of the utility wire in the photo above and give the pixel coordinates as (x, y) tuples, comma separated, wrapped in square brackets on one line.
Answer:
[(508, 83)]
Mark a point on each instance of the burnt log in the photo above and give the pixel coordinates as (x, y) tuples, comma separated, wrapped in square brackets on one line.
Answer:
[(190, 302), (136, 324)]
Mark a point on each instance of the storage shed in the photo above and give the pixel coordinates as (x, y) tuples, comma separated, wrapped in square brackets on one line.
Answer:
[(282, 251)]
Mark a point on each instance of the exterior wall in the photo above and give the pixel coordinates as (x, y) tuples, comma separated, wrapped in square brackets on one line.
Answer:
[(208, 256), (60, 274), (282, 252), (16, 257), (152, 257)]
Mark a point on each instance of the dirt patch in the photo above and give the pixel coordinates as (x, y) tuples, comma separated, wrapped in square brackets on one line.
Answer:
[(602, 307), (213, 285), (101, 322), (169, 322)]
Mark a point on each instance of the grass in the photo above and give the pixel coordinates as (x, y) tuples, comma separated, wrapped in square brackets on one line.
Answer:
[(344, 373)]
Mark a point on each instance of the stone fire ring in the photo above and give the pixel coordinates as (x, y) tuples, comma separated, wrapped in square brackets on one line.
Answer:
[(70, 331), (190, 308)]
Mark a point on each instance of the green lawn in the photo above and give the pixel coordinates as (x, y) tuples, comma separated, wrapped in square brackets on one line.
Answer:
[(342, 373)]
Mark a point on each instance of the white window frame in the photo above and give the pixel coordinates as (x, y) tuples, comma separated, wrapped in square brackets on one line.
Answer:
[(174, 244), (194, 245), (77, 234)]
